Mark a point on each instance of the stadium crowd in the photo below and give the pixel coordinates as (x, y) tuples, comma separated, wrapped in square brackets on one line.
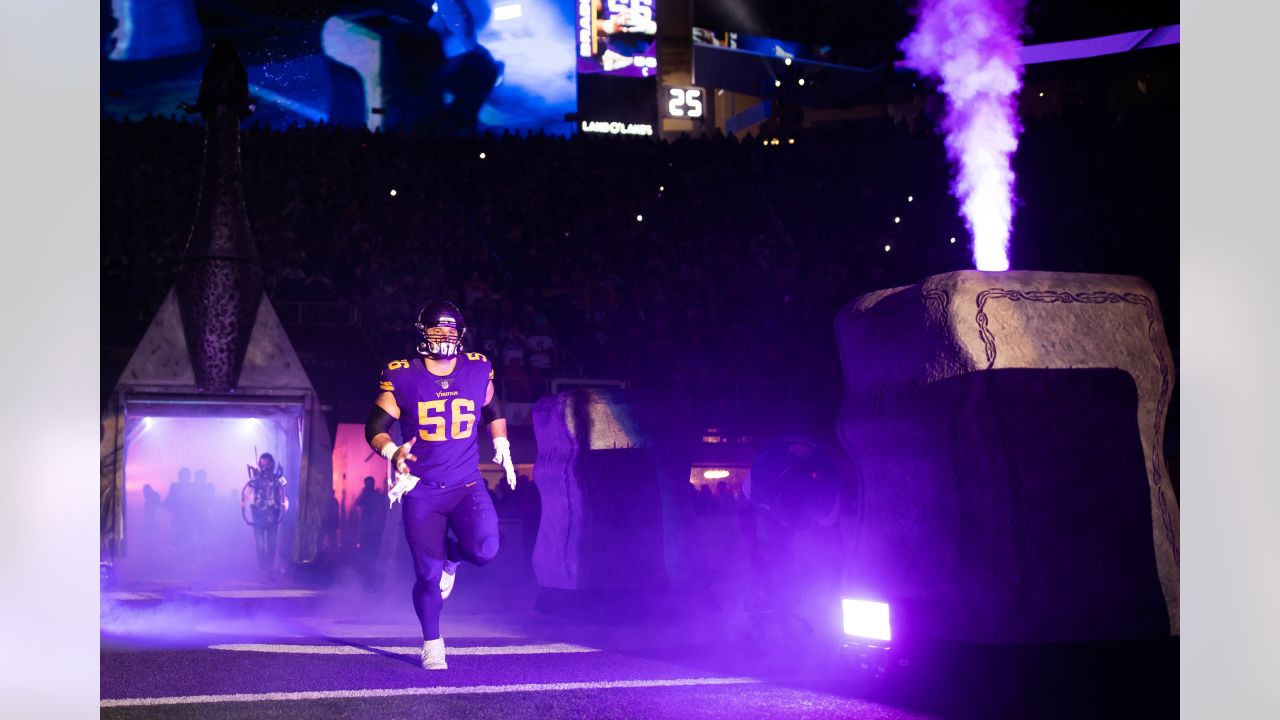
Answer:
[(698, 259)]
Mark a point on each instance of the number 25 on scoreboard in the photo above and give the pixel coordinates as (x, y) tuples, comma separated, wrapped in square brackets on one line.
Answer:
[(461, 420), (684, 102)]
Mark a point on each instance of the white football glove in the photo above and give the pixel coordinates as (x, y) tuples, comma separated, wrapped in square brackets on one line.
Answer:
[(404, 482), (502, 456)]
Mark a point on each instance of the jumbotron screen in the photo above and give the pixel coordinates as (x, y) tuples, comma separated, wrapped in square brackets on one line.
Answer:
[(617, 37), (455, 65)]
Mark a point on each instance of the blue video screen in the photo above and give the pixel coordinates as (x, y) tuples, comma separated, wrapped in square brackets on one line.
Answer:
[(442, 65)]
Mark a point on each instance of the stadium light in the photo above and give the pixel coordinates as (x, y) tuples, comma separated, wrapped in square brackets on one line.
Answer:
[(886, 248), (801, 81), (787, 62), (777, 83), (393, 192), (639, 218), (896, 220), (482, 156), (910, 198), (953, 241), (866, 619)]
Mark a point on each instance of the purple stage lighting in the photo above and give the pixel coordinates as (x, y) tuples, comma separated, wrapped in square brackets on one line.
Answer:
[(973, 47), (866, 619)]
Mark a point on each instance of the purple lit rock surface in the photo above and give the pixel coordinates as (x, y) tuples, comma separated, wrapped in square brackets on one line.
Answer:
[(613, 473), (1006, 429), (220, 283)]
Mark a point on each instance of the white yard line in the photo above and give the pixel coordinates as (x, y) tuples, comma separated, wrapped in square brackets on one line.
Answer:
[(407, 692), (277, 593), (132, 596), (548, 648)]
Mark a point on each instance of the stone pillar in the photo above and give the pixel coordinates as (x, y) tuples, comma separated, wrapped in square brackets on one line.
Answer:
[(219, 283), (613, 472), (1007, 432)]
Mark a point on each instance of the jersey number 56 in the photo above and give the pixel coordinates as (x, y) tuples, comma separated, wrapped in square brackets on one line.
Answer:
[(459, 419)]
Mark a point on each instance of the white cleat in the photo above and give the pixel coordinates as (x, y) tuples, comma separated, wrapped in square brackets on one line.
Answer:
[(433, 655), (447, 578)]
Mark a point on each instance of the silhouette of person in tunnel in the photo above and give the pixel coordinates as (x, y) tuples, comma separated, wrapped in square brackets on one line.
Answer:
[(373, 520), (179, 502)]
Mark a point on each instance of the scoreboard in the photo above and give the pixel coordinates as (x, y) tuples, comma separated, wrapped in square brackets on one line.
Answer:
[(684, 102)]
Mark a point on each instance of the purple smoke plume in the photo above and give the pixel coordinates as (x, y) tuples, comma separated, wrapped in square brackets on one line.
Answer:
[(972, 46)]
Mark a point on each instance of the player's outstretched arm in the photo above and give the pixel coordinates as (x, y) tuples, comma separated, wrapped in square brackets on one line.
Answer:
[(496, 421)]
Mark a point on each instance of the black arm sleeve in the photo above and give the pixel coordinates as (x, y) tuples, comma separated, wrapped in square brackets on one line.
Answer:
[(492, 411), (380, 421)]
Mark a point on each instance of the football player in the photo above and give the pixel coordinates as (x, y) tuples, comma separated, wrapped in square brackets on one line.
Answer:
[(439, 398)]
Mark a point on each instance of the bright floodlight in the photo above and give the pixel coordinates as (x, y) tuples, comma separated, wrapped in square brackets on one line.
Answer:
[(787, 61), (896, 219), (393, 192), (800, 81), (715, 474), (866, 619), (777, 83), (886, 248), (481, 156), (639, 218), (508, 12)]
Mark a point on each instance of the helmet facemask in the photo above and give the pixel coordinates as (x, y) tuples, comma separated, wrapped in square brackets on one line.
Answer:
[(439, 341), (442, 329)]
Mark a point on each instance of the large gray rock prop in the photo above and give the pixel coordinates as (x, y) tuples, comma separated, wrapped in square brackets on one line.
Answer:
[(613, 473), (1007, 431)]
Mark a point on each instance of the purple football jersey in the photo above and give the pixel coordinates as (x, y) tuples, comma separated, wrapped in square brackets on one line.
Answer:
[(442, 412)]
